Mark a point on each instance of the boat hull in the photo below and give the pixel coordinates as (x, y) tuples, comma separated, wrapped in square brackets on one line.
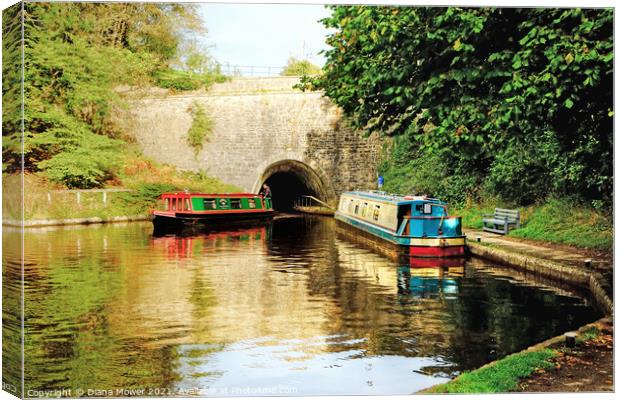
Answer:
[(180, 221), (438, 247)]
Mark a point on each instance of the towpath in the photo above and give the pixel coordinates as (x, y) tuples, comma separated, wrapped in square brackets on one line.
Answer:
[(563, 254), (574, 257)]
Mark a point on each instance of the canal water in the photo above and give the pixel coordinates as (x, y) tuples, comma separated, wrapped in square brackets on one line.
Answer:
[(290, 308)]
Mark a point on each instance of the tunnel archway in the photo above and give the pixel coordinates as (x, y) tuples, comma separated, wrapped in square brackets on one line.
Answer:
[(289, 180)]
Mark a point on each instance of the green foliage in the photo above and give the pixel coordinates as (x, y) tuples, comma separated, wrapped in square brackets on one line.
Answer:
[(11, 86), (413, 171), (500, 377), (472, 213), (179, 80), (145, 195), (518, 99), (80, 169), (295, 67), (590, 333), (202, 127), (76, 54)]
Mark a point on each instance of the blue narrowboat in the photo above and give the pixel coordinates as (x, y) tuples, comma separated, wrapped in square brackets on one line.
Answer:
[(418, 225)]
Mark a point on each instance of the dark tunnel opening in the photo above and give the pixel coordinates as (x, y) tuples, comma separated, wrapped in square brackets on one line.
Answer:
[(286, 188)]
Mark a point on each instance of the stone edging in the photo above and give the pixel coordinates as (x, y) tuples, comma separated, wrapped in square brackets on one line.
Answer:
[(35, 223), (548, 269)]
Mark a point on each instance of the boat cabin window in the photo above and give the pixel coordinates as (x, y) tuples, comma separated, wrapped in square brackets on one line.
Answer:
[(174, 204), (252, 203), (187, 205), (364, 209), (223, 203), (167, 205), (375, 215), (235, 203), (209, 204), (425, 208), (357, 207)]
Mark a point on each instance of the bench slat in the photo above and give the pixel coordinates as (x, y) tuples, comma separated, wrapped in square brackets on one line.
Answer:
[(504, 211), (499, 221)]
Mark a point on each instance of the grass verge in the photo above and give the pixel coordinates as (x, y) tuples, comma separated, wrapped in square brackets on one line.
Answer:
[(557, 221), (146, 179), (499, 377)]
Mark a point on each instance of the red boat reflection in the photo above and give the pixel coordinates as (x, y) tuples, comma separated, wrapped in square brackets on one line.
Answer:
[(180, 246)]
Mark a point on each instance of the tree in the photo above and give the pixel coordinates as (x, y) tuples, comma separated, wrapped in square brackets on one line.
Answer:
[(295, 67), (75, 55), (521, 99)]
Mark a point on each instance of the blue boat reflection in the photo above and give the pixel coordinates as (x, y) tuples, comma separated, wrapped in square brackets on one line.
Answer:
[(426, 281)]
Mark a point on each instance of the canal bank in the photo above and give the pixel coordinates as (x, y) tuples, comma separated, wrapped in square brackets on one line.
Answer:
[(578, 267), (39, 223)]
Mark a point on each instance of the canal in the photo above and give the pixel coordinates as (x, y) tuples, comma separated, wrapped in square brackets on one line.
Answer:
[(292, 308)]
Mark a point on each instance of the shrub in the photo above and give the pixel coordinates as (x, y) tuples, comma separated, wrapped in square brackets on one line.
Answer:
[(182, 80), (419, 172), (81, 169), (296, 67), (202, 126), (145, 195)]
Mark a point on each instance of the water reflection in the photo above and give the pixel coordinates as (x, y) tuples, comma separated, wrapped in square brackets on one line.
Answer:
[(433, 282), (286, 308)]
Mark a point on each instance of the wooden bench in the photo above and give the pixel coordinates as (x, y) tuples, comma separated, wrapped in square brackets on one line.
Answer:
[(501, 220)]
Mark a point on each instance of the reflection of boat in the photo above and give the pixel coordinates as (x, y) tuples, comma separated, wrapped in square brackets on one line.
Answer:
[(182, 209), (185, 246), (419, 226), (429, 282), (416, 262), (378, 246)]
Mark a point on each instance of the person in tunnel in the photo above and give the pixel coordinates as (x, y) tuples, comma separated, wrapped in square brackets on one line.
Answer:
[(265, 191)]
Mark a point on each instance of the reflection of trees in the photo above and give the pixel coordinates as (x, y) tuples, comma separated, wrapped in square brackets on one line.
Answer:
[(11, 309), (73, 280), (494, 317), (68, 283)]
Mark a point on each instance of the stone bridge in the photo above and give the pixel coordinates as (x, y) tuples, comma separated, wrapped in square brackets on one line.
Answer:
[(264, 131)]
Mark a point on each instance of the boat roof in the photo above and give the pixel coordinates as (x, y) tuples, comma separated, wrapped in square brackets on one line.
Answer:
[(210, 194), (393, 197)]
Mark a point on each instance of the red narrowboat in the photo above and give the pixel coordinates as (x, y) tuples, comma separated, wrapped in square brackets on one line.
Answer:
[(184, 208)]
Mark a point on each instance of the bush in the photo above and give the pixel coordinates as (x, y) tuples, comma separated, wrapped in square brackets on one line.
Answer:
[(80, 169), (296, 67), (145, 195), (182, 80), (419, 172)]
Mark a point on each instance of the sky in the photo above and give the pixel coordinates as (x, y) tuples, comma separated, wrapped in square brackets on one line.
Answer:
[(264, 35)]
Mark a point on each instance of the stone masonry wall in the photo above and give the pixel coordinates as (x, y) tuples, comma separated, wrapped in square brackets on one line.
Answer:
[(258, 122)]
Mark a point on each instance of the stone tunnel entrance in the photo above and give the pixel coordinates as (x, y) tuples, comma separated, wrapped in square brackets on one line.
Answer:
[(289, 180)]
